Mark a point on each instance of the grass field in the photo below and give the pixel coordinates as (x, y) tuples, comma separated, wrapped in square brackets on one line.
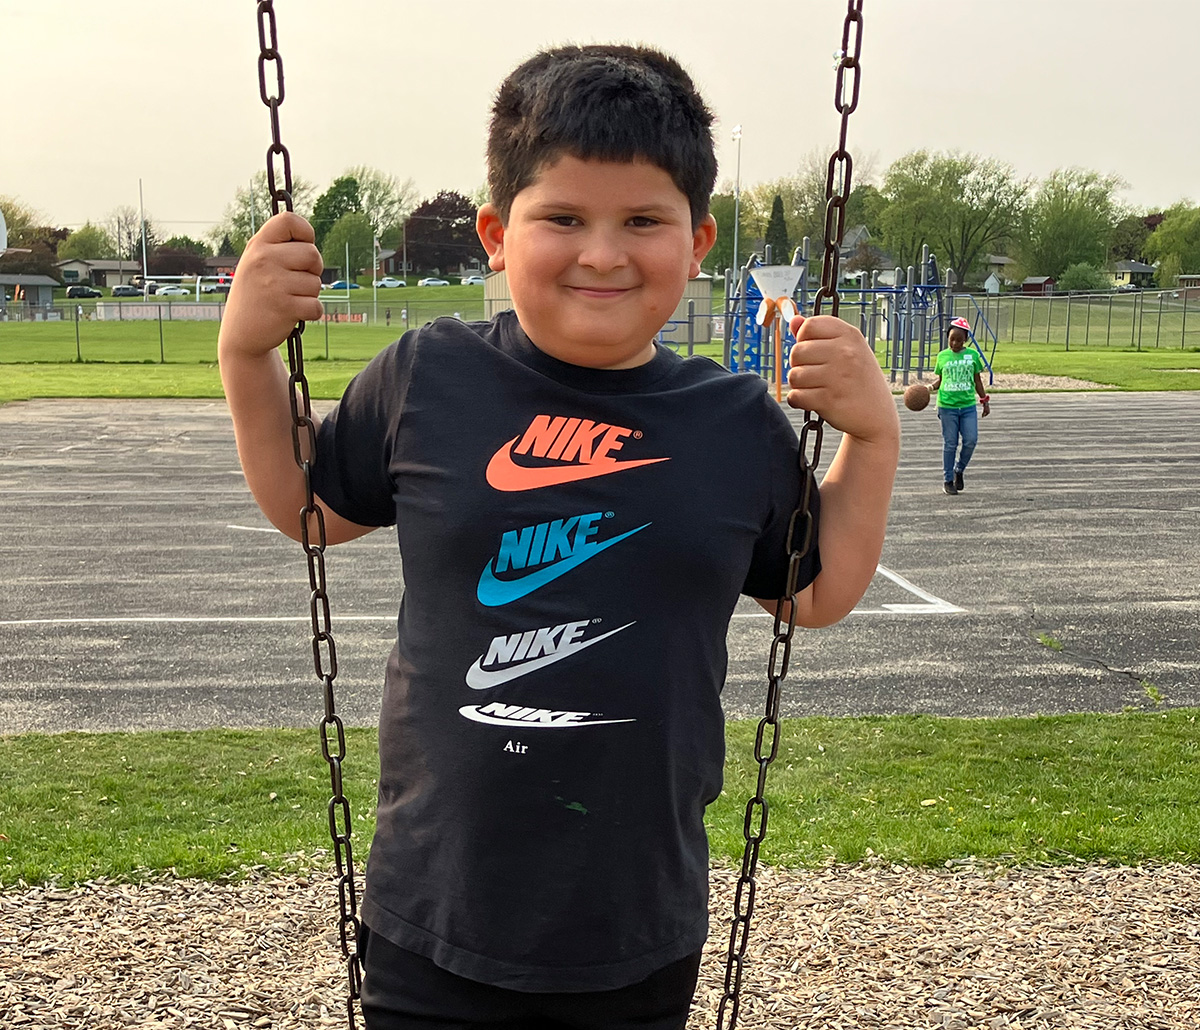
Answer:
[(910, 789), (131, 359)]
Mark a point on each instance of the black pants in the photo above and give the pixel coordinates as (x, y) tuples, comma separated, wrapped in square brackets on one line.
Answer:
[(405, 991)]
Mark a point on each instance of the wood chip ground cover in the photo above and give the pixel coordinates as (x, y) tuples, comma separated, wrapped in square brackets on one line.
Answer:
[(873, 946)]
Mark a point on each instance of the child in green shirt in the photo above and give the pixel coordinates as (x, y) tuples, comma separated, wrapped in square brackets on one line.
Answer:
[(957, 382)]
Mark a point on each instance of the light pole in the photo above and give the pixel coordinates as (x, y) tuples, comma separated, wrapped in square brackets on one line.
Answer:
[(737, 198)]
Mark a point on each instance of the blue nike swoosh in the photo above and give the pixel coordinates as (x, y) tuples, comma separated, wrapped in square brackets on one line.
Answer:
[(495, 592)]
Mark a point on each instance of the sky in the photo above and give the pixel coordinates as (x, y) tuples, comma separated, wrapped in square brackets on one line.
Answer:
[(97, 98)]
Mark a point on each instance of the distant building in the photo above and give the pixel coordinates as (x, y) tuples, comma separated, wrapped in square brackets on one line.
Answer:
[(26, 291), (97, 271), (1133, 273), (993, 283), (1038, 284), (1189, 286)]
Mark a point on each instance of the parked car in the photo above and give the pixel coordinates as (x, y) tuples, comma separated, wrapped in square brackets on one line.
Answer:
[(471, 280), (172, 291), (126, 290), (1128, 287), (82, 291), (388, 283), (341, 284), (433, 282)]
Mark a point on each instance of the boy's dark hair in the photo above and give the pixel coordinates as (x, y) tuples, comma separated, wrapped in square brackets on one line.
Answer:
[(604, 103)]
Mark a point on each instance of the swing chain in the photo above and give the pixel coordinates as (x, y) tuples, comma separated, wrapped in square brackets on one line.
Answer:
[(313, 540), (799, 542)]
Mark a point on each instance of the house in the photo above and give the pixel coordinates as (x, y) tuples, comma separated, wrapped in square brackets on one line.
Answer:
[(1133, 273), (1038, 284), (26, 291), (998, 265), (97, 271), (1188, 286)]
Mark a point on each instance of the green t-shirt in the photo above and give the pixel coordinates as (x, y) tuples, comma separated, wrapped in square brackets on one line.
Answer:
[(957, 389)]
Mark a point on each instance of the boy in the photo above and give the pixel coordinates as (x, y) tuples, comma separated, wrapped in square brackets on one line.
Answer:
[(578, 510), (957, 379)]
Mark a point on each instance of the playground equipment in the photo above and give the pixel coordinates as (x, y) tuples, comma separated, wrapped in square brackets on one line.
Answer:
[(908, 318)]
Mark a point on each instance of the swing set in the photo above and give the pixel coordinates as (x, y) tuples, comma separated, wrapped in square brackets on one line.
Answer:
[(799, 543)]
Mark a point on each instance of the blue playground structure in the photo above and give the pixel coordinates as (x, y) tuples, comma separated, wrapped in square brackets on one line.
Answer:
[(908, 319)]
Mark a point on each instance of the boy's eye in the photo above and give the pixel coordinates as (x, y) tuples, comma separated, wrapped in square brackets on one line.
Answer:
[(563, 220), (642, 221)]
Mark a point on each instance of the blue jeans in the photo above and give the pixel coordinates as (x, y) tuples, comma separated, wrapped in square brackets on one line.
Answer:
[(958, 422)]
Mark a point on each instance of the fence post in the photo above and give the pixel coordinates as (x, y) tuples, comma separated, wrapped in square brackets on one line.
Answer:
[(1108, 331), (78, 312), (1068, 344), (1158, 328), (1183, 334), (1141, 314), (162, 358)]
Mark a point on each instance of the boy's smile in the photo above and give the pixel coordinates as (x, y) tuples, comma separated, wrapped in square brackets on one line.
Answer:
[(597, 254)]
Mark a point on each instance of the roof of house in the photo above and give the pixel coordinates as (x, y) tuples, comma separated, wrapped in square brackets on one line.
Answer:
[(1033, 279), (101, 264), (21, 279), (999, 259), (1133, 266)]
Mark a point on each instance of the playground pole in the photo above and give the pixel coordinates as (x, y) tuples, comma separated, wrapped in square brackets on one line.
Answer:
[(872, 324), (804, 245), (910, 319), (894, 321)]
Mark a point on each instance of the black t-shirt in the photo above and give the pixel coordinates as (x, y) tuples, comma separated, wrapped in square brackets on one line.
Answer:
[(573, 544)]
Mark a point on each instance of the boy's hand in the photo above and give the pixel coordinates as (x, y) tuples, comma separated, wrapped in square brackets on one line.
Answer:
[(835, 374), (277, 284)]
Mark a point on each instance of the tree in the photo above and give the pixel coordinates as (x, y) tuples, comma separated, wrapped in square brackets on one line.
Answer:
[(383, 198), (1175, 244), (1082, 276), (174, 261), (441, 232), (87, 243), (777, 234), (125, 228), (188, 245), (340, 199), (721, 207), (962, 205), (250, 207), (1129, 238), (18, 217), (36, 246), (1070, 221), (866, 259), (353, 229)]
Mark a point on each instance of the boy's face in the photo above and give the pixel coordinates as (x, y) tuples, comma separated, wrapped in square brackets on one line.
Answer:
[(597, 255)]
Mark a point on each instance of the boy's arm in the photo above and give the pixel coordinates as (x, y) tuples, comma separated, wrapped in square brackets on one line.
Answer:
[(835, 374), (276, 285)]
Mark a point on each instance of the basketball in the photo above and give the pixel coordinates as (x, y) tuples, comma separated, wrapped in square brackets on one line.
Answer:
[(916, 397)]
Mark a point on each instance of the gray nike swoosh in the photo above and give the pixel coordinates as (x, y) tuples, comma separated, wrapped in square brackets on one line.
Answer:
[(480, 679)]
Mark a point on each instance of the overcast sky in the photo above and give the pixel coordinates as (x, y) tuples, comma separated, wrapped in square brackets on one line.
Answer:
[(94, 97)]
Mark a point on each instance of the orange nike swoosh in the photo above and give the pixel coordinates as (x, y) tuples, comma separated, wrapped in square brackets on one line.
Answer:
[(505, 474)]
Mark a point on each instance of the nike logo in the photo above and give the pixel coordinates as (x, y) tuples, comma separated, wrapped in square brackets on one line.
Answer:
[(584, 448), (532, 650), (545, 542), (497, 714)]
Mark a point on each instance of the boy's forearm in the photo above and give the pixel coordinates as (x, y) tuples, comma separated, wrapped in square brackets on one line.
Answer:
[(256, 387), (855, 495)]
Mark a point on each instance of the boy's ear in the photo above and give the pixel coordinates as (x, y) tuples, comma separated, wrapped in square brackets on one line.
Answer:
[(490, 228), (702, 241)]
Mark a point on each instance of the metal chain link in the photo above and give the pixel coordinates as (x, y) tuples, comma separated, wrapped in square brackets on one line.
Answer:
[(799, 542), (312, 538)]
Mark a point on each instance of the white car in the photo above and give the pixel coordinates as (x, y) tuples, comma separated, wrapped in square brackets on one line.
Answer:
[(471, 280), (388, 283), (433, 282), (171, 291)]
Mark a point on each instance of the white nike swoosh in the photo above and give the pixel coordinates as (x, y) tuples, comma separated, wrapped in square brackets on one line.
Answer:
[(473, 713), (479, 678)]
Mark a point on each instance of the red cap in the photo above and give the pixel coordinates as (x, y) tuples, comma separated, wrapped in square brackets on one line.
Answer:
[(961, 323)]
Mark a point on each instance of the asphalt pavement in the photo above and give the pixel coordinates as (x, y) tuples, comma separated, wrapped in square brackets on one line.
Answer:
[(143, 589)]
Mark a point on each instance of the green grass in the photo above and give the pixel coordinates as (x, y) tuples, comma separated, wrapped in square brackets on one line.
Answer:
[(910, 789)]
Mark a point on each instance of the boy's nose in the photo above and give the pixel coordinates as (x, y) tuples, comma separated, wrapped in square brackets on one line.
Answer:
[(602, 251)]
